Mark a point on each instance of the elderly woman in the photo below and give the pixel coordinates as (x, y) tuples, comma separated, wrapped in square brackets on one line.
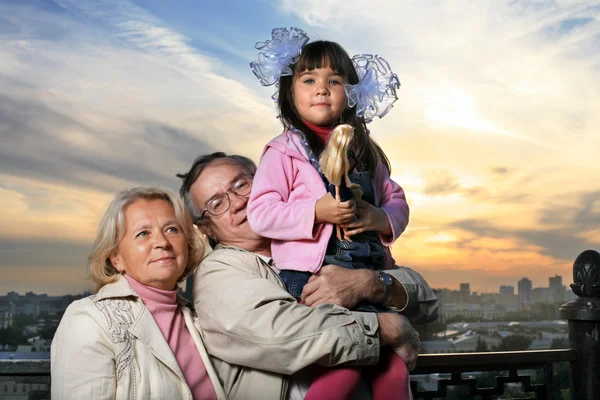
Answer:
[(136, 338)]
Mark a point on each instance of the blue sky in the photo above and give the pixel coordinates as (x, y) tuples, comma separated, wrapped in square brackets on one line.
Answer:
[(494, 137)]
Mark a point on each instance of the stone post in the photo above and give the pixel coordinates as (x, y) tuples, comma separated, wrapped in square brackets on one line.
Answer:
[(583, 315)]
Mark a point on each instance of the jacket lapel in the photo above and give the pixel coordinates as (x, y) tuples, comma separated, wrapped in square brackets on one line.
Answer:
[(145, 329), (196, 332)]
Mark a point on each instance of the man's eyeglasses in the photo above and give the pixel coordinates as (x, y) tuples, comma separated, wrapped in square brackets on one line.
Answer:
[(219, 204)]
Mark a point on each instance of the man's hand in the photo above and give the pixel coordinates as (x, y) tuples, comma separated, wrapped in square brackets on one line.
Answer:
[(328, 209), (396, 331), (341, 286)]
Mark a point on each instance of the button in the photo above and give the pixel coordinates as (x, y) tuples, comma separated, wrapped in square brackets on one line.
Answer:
[(369, 341), (367, 328)]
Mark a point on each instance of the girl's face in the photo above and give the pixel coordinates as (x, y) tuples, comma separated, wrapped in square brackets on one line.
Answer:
[(319, 96)]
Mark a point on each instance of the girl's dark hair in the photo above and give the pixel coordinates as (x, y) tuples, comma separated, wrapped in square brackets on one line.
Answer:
[(322, 54)]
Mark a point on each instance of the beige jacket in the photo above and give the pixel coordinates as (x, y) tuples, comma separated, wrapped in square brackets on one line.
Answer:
[(108, 346), (249, 319)]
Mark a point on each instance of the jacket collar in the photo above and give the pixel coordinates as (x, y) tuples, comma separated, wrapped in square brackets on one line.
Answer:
[(121, 288), (144, 327), (230, 246), (288, 143), (266, 259)]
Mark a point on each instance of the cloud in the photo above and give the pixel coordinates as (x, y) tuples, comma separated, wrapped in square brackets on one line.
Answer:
[(96, 98), (584, 216), (46, 144), (47, 252), (468, 76), (510, 62), (493, 137), (535, 245), (440, 183), (103, 95), (501, 170), (141, 30), (113, 60), (561, 244)]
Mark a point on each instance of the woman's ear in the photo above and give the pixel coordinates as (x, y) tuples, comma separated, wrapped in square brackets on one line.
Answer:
[(115, 260)]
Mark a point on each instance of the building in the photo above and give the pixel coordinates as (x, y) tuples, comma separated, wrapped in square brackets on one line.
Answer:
[(539, 295), (525, 287), (465, 292), (6, 320), (507, 296), (12, 296), (507, 290), (556, 290), (545, 311), (472, 312), (437, 346)]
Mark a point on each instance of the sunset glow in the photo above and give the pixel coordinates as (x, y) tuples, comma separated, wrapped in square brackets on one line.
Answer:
[(494, 136)]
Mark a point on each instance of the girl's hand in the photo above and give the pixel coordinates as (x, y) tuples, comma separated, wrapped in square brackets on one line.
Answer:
[(330, 210), (368, 218)]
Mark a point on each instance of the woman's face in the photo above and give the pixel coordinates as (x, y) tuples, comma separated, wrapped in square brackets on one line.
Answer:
[(154, 249)]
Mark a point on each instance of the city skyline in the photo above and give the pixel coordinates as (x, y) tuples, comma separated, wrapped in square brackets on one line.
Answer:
[(463, 286), (493, 136)]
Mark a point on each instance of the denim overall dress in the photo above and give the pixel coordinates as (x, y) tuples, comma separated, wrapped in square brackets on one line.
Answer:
[(364, 251)]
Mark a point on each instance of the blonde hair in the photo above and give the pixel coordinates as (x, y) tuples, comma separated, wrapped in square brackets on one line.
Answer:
[(112, 228), (334, 159)]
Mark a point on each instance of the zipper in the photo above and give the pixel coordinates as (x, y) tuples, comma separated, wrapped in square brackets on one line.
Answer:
[(284, 388)]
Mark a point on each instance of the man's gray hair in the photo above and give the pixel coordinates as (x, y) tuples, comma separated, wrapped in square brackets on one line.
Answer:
[(199, 164)]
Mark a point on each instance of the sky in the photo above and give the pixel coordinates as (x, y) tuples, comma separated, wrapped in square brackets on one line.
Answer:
[(494, 137)]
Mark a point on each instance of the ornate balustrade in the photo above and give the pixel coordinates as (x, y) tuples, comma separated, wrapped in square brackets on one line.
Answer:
[(460, 370)]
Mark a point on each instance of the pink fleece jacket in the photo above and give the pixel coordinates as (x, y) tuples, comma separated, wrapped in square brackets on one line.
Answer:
[(285, 191)]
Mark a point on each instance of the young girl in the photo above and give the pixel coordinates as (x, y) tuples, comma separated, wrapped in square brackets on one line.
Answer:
[(290, 202)]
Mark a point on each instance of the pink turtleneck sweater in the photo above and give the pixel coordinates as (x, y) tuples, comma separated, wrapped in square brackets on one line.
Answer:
[(169, 318)]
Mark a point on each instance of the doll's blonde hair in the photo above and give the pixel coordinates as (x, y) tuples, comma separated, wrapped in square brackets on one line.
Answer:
[(334, 159)]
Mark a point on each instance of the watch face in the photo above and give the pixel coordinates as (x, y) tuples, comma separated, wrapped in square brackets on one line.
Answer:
[(386, 279)]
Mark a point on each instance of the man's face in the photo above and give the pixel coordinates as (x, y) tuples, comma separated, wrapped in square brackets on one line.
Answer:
[(232, 227)]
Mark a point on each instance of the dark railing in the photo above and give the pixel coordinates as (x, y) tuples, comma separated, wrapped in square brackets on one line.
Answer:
[(33, 375), (461, 369)]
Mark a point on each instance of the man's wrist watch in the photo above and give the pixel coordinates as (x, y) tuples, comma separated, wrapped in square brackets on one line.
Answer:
[(387, 282)]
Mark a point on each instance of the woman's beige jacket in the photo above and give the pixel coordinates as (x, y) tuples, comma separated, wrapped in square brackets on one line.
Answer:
[(108, 346)]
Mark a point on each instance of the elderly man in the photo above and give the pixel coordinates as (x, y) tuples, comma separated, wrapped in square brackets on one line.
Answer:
[(248, 318)]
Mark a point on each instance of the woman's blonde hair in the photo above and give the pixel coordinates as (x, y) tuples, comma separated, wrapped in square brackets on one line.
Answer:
[(334, 159), (112, 228)]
